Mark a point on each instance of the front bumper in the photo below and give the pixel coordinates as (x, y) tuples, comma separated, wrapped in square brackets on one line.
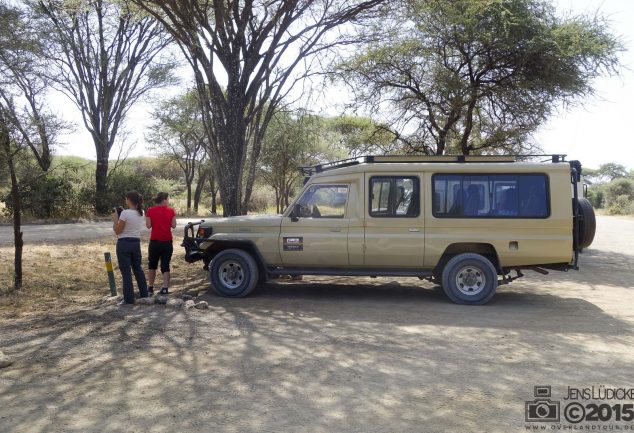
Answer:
[(191, 243)]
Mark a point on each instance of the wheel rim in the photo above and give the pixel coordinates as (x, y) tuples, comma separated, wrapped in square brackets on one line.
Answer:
[(231, 274), (470, 280)]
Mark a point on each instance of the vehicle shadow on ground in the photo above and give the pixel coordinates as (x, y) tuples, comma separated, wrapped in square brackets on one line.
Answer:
[(397, 303), (382, 355), (336, 357)]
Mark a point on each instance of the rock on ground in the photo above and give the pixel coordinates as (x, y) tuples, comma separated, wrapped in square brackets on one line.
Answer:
[(5, 361), (160, 299), (145, 301), (175, 303), (111, 299), (186, 297), (202, 305), (189, 304)]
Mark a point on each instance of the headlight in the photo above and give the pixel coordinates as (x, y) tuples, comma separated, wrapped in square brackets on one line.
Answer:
[(204, 232)]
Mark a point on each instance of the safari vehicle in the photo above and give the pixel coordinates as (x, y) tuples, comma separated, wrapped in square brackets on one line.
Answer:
[(466, 223)]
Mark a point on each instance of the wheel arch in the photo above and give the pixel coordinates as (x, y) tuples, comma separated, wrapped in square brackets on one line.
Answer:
[(246, 245), (483, 248)]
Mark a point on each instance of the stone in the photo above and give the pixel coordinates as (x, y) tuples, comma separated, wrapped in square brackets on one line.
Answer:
[(202, 305), (111, 299), (145, 301), (189, 304), (160, 299), (5, 361), (175, 303), (185, 297), (192, 293)]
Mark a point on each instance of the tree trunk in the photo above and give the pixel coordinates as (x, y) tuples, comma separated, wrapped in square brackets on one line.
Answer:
[(464, 140), (214, 192), (202, 179), (101, 181), (16, 204), (17, 222), (189, 195)]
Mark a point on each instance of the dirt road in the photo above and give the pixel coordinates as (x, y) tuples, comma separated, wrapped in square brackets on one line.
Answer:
[(64, 232), (354, 355)]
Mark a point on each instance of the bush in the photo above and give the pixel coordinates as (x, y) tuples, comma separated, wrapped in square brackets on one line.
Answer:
[(619, 196), (124, 180), (595, 195), (261, 199), (621, 206), (49, 196)]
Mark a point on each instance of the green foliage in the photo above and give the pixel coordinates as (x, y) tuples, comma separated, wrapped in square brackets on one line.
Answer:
[(619, 196), (595, 195), (474, 76), (51, 196), (606, 173), (360, 135), (127, 179)]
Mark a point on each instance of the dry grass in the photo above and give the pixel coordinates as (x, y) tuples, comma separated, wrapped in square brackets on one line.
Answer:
[(58, 275)]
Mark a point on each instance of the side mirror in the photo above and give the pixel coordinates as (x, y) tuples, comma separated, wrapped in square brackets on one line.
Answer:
[(297, 211)]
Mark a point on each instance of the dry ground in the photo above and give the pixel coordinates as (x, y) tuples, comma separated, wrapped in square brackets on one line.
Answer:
[(321, 355)]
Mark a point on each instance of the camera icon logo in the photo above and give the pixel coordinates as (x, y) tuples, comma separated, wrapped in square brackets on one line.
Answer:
[(542, 409)]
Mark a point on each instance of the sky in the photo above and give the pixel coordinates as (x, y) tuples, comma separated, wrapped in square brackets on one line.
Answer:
[(595, 131)]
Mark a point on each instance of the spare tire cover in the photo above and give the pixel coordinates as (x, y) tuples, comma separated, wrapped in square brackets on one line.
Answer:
[(587, 223)]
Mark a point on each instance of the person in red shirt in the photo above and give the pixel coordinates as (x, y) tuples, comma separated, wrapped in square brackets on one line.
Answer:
[(161, 219)]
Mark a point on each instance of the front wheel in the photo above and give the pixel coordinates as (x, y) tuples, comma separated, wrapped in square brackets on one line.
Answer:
[(233, 273), (469, 279)]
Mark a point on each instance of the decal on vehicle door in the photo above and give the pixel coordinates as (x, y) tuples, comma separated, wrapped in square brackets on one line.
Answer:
[(294, 244)]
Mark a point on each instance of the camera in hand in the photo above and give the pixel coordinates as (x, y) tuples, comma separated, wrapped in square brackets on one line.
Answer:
[(118, 210)]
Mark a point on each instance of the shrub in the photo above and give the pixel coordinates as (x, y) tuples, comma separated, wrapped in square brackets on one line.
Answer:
[(622, 205), (261, 199), (47, 196), (124, 180), (595, 195), (619, 196)]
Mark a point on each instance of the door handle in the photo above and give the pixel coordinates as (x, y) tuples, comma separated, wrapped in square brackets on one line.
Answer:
[(413, 230), (334, 230)]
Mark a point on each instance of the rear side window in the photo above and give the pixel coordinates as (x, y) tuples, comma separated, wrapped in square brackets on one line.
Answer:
[(394, 197), (490, 196)]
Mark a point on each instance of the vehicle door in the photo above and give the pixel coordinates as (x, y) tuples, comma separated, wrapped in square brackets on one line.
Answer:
[(394, 221), (315, 232)]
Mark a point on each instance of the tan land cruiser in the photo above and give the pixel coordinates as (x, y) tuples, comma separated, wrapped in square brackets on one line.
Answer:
[(467, 223)]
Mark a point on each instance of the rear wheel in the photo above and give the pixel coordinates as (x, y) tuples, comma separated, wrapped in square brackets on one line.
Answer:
[(469, 279), (233, 273)]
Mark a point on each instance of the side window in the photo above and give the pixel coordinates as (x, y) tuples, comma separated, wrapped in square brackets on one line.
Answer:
[(394, 197), (490, 196), (324, 201)]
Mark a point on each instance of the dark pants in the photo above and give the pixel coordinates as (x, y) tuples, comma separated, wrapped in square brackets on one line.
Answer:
[(129, 259), (160, 250)]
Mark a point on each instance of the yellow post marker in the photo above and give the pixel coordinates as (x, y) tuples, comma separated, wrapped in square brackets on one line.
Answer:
[(113, 286)]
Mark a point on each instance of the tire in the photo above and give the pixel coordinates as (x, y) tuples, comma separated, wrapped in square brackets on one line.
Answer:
[(469, 279), (233, 273), (587, 223)]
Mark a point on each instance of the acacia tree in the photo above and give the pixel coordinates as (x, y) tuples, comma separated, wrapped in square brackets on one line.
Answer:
[(179, 134), (105, 57), (361, 136), (246, 56), (477, 75), (26, 125), (296, 139)]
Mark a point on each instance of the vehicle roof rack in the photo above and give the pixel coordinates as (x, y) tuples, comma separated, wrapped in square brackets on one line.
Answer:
[(308, 171)]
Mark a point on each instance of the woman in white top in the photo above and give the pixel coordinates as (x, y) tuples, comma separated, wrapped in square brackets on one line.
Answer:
[(127, 227)]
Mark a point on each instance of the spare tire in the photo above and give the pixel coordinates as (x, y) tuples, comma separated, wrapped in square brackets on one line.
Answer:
[(587, 224)]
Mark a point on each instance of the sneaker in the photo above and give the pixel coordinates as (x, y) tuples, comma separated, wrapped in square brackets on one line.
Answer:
[(164, 291), (150, 291), (123, 303)]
